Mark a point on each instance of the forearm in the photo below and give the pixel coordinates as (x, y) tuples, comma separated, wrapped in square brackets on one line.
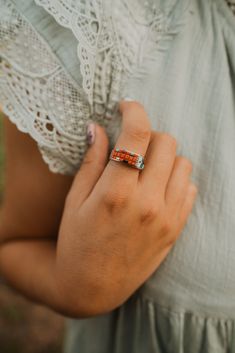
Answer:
[(29, 266), (30, 218)]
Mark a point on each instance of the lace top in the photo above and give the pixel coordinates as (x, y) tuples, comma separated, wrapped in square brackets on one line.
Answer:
[(64, 63), (43, 99)]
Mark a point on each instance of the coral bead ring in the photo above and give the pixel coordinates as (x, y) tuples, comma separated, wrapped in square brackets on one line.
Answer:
[(132, 159)]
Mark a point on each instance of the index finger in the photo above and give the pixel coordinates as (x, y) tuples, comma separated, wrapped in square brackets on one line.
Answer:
[(135, 136)]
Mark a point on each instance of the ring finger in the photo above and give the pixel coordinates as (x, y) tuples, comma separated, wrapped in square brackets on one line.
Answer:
[(178, 183), (135, 136)]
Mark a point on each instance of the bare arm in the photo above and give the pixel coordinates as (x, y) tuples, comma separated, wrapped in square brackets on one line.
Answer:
[(34, 197), (30, 218), (110, 237)]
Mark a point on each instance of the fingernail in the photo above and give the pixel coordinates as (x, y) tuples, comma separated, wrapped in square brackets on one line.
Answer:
[(91, 133)]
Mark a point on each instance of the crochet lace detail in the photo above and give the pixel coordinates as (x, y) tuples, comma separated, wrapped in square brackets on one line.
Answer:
[(40, 96), (112, 39)]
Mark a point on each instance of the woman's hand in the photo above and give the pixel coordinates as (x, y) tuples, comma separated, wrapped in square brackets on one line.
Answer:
[(119, 223)]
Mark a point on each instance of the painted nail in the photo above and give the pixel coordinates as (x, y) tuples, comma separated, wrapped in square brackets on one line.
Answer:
[(91, 133)]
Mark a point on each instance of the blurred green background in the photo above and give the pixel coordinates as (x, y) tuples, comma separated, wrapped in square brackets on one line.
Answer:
[(24, 326)]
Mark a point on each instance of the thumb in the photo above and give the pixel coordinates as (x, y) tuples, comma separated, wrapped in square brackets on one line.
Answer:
[(93, 163)]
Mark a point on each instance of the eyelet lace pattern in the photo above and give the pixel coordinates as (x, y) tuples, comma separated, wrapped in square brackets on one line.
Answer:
[(40, 96)]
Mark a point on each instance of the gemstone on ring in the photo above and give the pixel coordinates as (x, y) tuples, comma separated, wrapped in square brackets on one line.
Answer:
[(140, 162), (131, 158)]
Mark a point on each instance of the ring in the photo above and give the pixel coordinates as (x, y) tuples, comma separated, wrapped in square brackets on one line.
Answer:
[(133, 159)]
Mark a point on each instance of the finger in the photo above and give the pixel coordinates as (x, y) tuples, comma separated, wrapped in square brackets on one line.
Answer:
[(159, 163), (188, 203), (91, 168), (135, 136), (178, 183)]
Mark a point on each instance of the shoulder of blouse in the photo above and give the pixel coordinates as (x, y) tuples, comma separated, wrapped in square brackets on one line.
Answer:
[(64, 63)]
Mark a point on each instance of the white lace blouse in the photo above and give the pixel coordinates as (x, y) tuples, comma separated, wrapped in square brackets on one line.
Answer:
[(37, 88), (53, 105)]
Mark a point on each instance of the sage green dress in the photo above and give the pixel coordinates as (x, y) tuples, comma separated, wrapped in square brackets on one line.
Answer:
[(64, 63)]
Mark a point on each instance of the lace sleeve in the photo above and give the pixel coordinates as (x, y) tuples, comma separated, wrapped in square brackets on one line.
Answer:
[(38, 95), (114, 41)]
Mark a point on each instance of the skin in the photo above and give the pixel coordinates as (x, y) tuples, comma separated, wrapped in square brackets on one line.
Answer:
[(82, 246)]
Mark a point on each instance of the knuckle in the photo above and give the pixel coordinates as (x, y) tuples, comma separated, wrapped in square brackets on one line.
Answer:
[(140, 133), (185, 163), (166, 228), (115, 199), (149, 213), (169, 139)]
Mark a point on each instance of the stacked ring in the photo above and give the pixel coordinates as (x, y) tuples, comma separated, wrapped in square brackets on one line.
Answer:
[(132, 159)]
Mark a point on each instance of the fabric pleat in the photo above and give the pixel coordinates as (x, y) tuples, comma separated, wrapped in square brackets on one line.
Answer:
[(144, 326)]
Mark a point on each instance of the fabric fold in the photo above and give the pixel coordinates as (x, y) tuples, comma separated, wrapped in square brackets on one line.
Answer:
[(142, 325)]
